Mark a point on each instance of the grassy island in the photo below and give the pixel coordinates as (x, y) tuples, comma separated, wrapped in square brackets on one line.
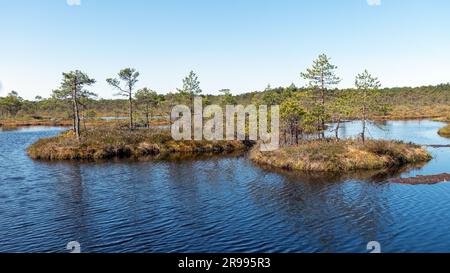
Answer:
[(342, 156), (106, 143), (445, 132)]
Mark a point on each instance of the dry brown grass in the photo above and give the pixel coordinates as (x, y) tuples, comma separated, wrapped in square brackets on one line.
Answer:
[(24, 122), (343, 156), (110, 142), (60, 122), (410, 112)]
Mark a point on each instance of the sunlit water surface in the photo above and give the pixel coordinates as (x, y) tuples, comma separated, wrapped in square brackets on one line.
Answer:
[(219, 204)]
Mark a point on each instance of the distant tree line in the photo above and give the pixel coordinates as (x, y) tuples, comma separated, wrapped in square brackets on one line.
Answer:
[(304, 111)]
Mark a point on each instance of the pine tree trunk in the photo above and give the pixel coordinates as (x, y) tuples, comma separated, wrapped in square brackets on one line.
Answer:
[(147, 116), (83, 117), (76, 111), (131, 111), (323, 105), (338, 126), (363, 134), (74, 125)]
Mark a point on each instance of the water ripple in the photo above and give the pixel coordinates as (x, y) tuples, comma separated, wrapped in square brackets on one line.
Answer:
[(215, 205)]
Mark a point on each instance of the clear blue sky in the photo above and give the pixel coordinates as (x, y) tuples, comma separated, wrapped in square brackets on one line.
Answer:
[(242, 45)]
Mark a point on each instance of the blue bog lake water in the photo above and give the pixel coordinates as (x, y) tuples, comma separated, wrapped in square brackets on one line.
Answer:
[(221, 204)]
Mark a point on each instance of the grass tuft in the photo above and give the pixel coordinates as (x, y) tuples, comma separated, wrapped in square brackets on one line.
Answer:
[(107, 143), (445, 132), (342, 156)]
